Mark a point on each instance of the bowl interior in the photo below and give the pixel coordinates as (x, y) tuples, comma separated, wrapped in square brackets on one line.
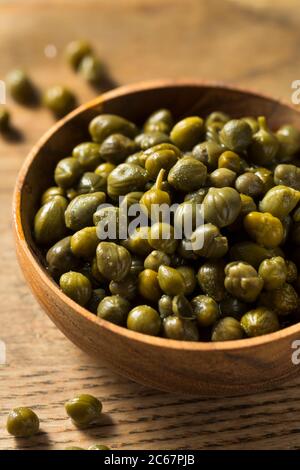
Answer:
[(136, 103)]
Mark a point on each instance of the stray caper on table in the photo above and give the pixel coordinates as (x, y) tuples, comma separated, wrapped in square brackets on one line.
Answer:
[(242, 281)]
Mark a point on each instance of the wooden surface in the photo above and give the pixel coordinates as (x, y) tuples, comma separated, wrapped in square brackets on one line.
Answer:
[(235, 40)]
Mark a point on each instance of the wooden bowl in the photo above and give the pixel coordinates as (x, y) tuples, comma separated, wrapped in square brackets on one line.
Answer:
[(209, 369)]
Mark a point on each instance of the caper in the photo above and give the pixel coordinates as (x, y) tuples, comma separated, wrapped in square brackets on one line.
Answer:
[(60, 100), (80, 211), (113, 261), (187, 133), (114, 309), (76, 286), (84, 409), (116, 147), (227, 329), (22, 422), (49, 222), (178, 328), (144, 319), (206, 310), (67, 172), (88, 155), (107, 124)]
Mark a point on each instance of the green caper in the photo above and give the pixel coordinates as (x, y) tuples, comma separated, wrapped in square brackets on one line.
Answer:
[(211, 279), (88, 155), (84, 242), (266, 177), (282, 301), (60, 100), (67, 172), (259, 321), (187, 214), (155, 259), (273, 271), (289, 142), (91, 183), (159, 121), (221, 206), (287, 175), (114, 309), (84, 409), (242, 281), (233, 307), (107, 220), (182, 308), (250, 184), (252, 123), (104, 169), (227, 329), (76, 286), (49, 222), (264, 228), (279, 201), (163, 156), (22, 422), (165, 306), (76, 51), (50, 193), (230, 160), (126, 288), (206, 310), (113, 261), (178, 328), (138, 241), (105, 125), (190, 280), (207, 241), (60, 258), (216, 116), (187, 175), (20, 86), (222, 177), (137, 265), (162, 237), (148, 285), (196, 197), (187, 133), (265, 145), (149, 139), (116, 148), (291, 271), (170, 280), (144, 319), (91, 69), (236, 135), (208, 153), (126, 177), (252, 253), (80, 211)]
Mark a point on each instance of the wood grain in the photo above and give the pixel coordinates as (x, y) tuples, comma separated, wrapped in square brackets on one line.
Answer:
[(145, 39)]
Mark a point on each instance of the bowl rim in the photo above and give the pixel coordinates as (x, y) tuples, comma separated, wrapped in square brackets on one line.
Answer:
[(160, 342)]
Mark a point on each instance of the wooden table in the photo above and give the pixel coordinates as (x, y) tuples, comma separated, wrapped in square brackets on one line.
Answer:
[(240, 41)]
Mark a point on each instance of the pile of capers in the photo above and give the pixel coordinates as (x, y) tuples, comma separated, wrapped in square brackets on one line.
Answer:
[(242, 282)]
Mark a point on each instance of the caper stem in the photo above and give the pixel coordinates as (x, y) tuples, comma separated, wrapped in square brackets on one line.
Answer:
[(159, 179), (262, 122)]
